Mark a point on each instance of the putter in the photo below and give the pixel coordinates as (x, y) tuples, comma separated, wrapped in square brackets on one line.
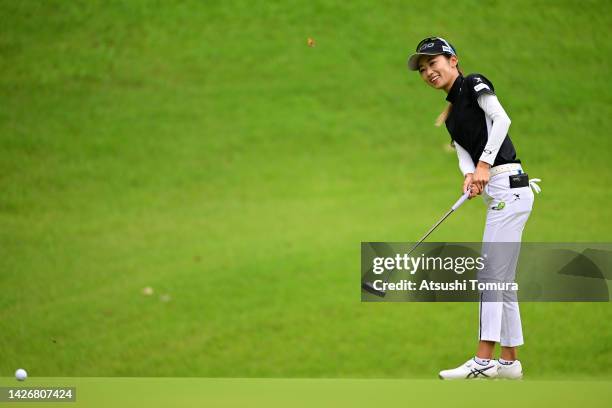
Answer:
[(369, 287)]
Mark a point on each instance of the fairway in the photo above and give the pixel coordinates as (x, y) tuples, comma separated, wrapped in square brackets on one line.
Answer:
[(205, 151), (238, 392)]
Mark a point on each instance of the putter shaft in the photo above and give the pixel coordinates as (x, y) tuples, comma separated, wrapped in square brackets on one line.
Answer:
[(369, 286)]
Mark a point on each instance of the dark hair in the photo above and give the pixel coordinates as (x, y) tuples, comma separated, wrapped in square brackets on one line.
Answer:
[(448, 57)]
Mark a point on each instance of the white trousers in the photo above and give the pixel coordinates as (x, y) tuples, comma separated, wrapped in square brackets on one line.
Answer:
[(507, 212)]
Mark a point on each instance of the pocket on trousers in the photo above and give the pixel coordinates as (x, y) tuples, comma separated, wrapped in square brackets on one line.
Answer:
[(495, 192), (500, 197)]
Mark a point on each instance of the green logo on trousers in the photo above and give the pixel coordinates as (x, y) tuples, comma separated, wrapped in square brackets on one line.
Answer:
[(499, 206)]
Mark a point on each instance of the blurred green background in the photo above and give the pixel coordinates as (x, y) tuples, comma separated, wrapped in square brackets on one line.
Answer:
[(203, 149)]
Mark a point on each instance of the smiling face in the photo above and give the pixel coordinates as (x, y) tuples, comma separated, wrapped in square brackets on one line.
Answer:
[(439, 71)]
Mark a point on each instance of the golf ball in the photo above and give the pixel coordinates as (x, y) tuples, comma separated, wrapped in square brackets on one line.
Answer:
[(21, 374)]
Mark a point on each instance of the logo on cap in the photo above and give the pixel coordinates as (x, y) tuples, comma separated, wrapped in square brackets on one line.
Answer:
[(424, 46)]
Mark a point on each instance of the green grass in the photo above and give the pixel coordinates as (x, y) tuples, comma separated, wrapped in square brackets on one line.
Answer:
[(203, 149), (273, 392)]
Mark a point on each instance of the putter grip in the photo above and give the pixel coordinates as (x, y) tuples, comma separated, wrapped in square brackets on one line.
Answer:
[(461, 200)]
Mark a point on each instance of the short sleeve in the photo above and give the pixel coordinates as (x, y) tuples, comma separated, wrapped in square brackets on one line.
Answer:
[(479, 85)]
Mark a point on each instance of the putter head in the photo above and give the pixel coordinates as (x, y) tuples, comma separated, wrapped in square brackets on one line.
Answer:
[(368, 287)]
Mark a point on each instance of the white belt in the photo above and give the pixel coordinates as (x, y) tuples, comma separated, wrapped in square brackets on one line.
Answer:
[(503, 168)]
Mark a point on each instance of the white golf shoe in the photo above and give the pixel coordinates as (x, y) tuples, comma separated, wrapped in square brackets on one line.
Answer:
[(512, 371), (471, 370)]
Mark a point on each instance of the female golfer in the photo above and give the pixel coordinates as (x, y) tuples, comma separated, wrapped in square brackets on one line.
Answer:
[(478, 126)]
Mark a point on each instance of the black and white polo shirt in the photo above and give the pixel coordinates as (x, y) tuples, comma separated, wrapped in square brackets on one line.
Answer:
[(467, 123)]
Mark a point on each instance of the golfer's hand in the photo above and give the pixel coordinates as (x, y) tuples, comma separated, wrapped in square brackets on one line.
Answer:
[(481, 176), (469, 184)]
